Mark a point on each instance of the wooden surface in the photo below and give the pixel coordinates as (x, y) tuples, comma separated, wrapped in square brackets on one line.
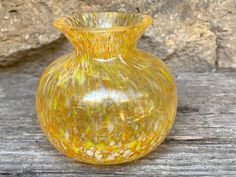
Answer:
[(202, 141)]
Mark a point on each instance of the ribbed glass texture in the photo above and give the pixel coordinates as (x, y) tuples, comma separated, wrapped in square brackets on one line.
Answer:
[(106, 102)]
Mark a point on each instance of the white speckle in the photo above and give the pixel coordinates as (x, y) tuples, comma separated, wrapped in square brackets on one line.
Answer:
[(98, 155), (66, 135), (110, 157), (127, 153), (90, 153), (116, 154), (110, 127), (119, 144), (122, 116), (156, 126), (112, 143)]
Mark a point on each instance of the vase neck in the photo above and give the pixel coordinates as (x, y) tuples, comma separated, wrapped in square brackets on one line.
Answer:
[(105, 44), (103, 35)]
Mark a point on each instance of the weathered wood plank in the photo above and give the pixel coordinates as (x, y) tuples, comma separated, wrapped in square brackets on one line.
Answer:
[(176, 158), (202, 141)]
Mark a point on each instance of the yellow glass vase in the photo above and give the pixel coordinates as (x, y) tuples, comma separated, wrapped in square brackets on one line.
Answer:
[(106, 102)]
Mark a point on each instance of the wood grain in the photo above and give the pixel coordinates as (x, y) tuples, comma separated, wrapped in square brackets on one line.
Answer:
[(202, 141)]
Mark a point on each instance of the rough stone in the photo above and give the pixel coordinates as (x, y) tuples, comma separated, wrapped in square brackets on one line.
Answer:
[(27, 25), (222, 21), (190, 35)]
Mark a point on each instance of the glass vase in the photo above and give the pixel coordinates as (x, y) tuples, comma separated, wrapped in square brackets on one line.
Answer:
[(107, 102)]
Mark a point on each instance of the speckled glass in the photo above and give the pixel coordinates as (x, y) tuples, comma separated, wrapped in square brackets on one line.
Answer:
[(107, 102)]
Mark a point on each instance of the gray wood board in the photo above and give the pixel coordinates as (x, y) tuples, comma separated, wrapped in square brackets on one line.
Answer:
[(202, 141)]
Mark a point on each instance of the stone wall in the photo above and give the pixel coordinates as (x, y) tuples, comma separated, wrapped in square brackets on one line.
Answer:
[(190, 35)]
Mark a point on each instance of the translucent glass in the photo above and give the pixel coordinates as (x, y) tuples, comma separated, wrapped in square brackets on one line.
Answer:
[(106, 102)]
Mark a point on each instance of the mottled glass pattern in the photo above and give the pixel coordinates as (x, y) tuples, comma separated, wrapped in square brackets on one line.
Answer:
[(106, 102)]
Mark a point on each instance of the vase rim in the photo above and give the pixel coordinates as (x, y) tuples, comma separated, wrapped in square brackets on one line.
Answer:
[(144, 21)]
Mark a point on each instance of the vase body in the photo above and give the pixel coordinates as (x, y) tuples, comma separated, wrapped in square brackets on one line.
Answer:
[(106, 102)]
